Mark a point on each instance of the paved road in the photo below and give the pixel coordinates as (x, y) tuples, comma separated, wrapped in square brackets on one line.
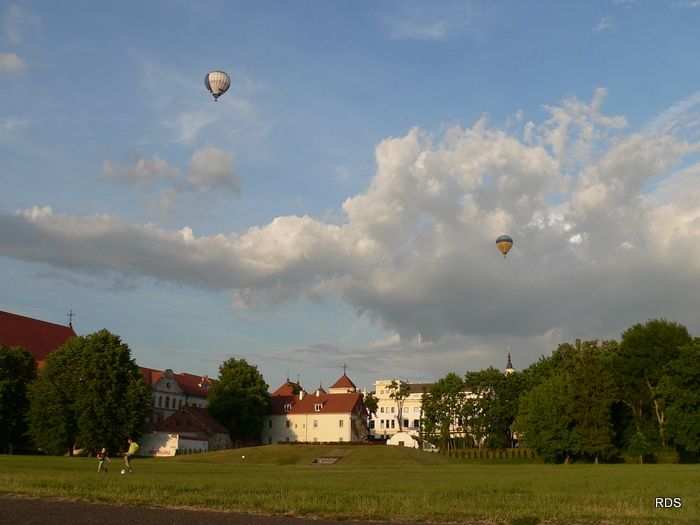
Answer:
[(23, 510)]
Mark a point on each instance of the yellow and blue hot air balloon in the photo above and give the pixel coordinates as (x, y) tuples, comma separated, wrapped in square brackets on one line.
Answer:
[(217, 82), (504, 243)]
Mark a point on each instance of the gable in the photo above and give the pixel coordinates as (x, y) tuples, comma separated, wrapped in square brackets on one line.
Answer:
[(39, 338)]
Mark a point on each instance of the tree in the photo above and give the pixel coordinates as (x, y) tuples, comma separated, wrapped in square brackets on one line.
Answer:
[(399, 392), (644, 353), (678, 392), (568, 413), (491, 409), (546, 421), (17, 371), (90, 395), (371, 403), (240, 400), (442, 410)]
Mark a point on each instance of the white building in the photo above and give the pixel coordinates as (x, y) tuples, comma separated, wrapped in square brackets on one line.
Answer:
[(336, 416), (388, 421)]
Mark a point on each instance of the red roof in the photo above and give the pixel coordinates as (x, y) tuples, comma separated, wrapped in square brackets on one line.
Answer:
[(344, 382), (39, 338), (287, 389), (329, 404), (189, 383)]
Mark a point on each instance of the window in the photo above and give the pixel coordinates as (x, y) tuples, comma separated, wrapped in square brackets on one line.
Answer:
[(160, 401), (340, 440), (416, 423), (287, 422), (340, 423), (317, 407), (167, 402), (315, 440), (405, 409), (180, 404), (381, 424), (405, 423), (371, 424), (315, 423), (287, 407), (381, 410), (392, 409), (167, 385), (416, 409), (392, 423), (269, 423)]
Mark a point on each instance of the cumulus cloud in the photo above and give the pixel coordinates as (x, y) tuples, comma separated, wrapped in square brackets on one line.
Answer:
[(607, 23), (11, 63), (601, 220)]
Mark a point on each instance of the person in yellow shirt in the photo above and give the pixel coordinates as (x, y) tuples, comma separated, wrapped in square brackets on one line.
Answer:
[(133, 447)]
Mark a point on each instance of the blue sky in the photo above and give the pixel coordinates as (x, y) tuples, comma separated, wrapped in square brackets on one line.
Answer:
[(341, 202)]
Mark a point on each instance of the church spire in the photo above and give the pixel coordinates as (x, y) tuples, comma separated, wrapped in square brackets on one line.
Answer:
[(509, 366)]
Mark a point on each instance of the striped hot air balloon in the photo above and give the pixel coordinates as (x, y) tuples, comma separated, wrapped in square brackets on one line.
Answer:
[(504, 243), (217, 82)]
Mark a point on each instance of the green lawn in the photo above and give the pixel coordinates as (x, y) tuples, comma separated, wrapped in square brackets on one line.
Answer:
[(377, 482)]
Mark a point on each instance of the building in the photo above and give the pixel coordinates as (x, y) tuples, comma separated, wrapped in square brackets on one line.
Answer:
[(336, 416), (172, 391), (189, 429), (39, 338), (388, 421)]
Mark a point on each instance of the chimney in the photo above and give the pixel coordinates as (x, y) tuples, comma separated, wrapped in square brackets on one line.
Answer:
[(318, 393), (301, 394)]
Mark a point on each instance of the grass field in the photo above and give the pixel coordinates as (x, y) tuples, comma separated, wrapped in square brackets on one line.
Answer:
[(379, 483)]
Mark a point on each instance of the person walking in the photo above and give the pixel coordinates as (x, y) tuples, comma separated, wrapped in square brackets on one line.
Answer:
[(102, 456), (133, 447)]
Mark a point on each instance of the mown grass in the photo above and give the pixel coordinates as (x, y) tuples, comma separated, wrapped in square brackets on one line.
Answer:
[(379, 483)]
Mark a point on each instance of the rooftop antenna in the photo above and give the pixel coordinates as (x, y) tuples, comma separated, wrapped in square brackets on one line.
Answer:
[(70, 316)]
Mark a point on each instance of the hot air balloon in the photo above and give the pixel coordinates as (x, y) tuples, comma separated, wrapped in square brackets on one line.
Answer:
[(504, 243), (217, 83)]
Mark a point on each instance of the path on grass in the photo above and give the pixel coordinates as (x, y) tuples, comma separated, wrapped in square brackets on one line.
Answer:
[(24, 510)]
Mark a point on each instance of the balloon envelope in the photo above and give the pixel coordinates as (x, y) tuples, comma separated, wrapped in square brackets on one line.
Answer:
[(504, 243), (217, 82)]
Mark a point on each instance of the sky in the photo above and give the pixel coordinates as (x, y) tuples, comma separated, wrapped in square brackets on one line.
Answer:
[(339, 205)]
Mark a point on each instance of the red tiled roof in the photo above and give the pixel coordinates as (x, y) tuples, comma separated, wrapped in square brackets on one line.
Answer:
[(344, 382), (39, 338), (287, 389), (189, 383), (330, 403)]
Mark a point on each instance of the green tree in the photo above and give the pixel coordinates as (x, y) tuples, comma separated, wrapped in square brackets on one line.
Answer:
[(371, 403), (568, 413), (240, 400), (90, 395), (678, 391), (17, 371), (399, 391), (443, 409), (491, 409), (546, 421), (644, 353)]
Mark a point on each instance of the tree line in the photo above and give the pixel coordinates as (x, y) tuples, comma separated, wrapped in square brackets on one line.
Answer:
[(587, 401), (91, 394)]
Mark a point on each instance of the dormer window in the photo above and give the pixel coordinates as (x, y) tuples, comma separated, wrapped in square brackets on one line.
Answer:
[(287, 407), (318, 406)]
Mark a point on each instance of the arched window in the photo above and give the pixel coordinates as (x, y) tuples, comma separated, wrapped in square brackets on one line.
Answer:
[(160, 401), (180, 404), (167, 402)]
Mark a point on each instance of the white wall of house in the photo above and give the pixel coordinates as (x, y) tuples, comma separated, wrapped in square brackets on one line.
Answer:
[(309, 428), (385, 423)]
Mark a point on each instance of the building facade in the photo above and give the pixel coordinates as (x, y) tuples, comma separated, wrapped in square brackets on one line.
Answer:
[(336, 416)]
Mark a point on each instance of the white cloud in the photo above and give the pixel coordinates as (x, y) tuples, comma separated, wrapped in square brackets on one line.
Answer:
[(607, 23), (415, 251), (11, 63)]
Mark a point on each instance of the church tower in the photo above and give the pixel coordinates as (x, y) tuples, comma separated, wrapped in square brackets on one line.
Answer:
[(509, 367)]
